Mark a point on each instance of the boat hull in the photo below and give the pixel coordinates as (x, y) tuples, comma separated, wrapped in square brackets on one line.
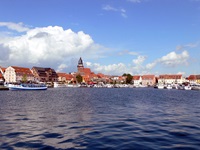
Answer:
[(27, 87)]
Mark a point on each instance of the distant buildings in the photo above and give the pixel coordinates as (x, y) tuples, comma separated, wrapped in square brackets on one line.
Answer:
[(39, 74), (66, 78), (86, 73), (145, 80)]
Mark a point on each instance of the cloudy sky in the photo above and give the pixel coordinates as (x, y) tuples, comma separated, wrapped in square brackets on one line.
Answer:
[(112, 36)]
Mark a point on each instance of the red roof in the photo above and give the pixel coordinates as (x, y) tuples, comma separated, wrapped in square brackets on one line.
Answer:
[(69, 76), (194, 77), (172, 76), (100, 75), (87, 71), (136, 77), (3, 69), (148, 77), (61, 74), (22, 70)]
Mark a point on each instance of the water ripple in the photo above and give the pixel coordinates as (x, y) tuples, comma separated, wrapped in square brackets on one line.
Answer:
[(86, 118)]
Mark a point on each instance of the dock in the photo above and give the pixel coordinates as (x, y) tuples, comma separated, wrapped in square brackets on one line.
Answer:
[(3, 88)]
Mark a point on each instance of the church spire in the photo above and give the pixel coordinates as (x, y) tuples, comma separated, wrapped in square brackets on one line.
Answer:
[(80, 62), (80, 65)]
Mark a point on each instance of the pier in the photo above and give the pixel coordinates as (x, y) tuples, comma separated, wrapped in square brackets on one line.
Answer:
[(3, 88)]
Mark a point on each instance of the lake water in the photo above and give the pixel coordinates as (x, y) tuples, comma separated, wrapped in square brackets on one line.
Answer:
[(100, 118)]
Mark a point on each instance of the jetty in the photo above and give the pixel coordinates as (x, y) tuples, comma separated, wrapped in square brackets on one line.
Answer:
[(3, 88)]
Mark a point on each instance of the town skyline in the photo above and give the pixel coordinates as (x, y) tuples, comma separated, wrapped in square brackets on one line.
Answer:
[(113, 37)]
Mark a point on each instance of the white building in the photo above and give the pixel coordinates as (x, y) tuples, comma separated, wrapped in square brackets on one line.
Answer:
[(17, 74), (137, 80), (171, 79)]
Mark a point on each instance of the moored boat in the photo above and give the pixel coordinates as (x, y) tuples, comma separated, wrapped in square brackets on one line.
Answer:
[(188, 87), (160, 86), (27, 87), (58, 85), (169, 86), (196, 87)]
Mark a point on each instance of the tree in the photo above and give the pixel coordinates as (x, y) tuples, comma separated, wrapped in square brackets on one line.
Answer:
[(129, 77), (79, 78), (24, 78)]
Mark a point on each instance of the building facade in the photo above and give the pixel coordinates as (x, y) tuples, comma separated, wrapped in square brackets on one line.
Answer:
[(67, 78), (148, 80), (44, 74), (171, 79), (137, 80), (86, 73), (193, 79), (18, 74)]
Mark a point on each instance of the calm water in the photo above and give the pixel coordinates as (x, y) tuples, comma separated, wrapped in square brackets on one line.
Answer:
[(100, 118)]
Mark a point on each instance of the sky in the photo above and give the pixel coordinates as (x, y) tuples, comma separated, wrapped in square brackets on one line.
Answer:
[(112, 37)]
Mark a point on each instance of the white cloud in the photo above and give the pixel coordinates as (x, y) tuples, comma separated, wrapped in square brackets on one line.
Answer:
[(61, 67), (149, 66), (60, 49), (110, 8), (173, 59), (113, 69), (187, 46), (139, 60), (180, 72), (48, 46), (19, 27), (118, 69)]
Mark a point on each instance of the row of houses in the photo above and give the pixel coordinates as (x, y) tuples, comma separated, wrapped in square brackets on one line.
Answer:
[(13, 74), (38, 74)]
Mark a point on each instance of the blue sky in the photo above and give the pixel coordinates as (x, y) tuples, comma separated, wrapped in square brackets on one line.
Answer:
[(112, 37)]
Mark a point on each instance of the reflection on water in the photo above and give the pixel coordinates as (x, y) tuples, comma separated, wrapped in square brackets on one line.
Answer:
[(87, 118)]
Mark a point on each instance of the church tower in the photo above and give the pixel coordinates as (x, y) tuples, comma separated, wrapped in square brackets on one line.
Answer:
[(80, 66)]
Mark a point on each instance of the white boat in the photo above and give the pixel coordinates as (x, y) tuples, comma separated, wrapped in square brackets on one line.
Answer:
[(196, 87), (27, 87), (188, 87), (160, 86), (58, 85), (169, 86), (109, 85)]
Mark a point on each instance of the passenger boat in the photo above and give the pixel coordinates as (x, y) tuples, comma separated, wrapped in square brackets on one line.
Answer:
[(27, 87)]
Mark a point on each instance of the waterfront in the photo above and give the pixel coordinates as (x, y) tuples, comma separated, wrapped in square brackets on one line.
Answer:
[(100, 118)]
